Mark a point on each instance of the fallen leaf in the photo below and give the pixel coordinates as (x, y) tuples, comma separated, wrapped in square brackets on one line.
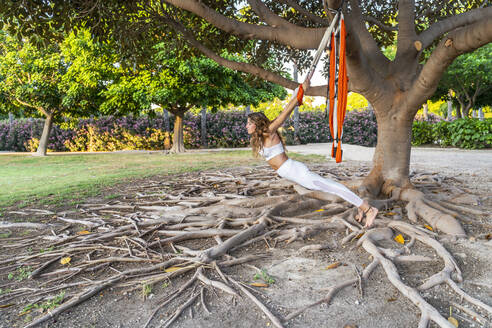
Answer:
[(320, 210), (400, 239), (391, 299), (65, 260), (453, 321), (172, 269), (391, 213), (3, 306), (259, 284), (428, 227), (83, 232), (333, 265), (359, 235)]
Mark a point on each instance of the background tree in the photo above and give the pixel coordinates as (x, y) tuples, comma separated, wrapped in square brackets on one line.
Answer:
[(468, 81), (177, 85), (61, 79)]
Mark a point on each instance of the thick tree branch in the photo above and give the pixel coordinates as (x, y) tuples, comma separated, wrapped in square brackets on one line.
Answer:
[(309, 15), (406, 28), (291, 35), (456, 43), (453, 22), (357, 31), (374, 21), (267, 15), (38, 108), (243, 67)]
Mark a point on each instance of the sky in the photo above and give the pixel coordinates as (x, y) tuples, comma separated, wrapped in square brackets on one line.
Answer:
[(317, 79)]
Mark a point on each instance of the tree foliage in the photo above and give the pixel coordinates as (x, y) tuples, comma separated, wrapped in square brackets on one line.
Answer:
[(468, 80), (64, 79)]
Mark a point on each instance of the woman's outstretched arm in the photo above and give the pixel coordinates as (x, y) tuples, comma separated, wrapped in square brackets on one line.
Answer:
[(280, 119)]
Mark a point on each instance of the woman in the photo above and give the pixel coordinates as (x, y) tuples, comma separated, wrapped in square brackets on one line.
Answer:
[(266, 141)]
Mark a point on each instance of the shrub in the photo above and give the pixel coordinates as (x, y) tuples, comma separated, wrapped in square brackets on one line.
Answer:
[(431, 118), (226, 129), (441, 133), (360, 128), (471, 133), (422, 133), (92, 138)]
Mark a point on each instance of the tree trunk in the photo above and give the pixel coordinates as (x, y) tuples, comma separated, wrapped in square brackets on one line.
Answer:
[(178, 140), (43, 142), (480, 114), (248, 110), (204, 127), (391, 159), (297, 141), (450, 110), (426, 111), (11, 118), (458, 111), (166, 120), (465, 111)]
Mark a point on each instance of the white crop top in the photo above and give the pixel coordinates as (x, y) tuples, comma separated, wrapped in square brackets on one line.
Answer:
[(271, 152)]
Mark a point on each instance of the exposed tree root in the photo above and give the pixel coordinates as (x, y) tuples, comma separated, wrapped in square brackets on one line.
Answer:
[(200, 225)]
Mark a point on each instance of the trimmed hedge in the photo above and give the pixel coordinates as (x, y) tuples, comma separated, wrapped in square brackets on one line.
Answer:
[(226, 129), (469, 133)]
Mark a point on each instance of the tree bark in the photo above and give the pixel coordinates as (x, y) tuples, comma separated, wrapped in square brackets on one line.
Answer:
[(450, 110), (391, 161), (204, 127), (458, 109), (426, 111), (480, 114), (166, 120), (43, 142), (297, 141), (178, 139), (465, 111)]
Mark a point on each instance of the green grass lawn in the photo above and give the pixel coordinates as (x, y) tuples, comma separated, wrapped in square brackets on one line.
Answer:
[(26, 180)]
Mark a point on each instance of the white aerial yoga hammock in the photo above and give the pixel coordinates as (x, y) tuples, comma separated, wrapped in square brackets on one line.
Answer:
[(334, 39)]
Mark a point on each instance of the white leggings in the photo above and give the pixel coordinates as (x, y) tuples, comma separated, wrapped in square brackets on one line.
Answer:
[(299, 173)]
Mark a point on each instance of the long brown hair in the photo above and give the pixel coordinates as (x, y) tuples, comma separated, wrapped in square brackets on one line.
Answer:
[(261, 132)]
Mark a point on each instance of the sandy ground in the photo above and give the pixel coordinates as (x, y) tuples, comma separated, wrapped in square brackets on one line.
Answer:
[(301, 279)]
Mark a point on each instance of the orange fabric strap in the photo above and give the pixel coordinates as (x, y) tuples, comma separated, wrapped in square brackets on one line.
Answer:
[(337, 90), (300, 95), (342, 91)]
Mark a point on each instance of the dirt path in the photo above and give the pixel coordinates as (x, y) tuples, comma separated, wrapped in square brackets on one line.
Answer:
[(300, 278)]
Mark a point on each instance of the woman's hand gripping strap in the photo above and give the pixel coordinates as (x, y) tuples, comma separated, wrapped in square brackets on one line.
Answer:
[(298, 94)]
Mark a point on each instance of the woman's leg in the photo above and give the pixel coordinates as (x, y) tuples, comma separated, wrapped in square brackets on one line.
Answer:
[(299, 173)]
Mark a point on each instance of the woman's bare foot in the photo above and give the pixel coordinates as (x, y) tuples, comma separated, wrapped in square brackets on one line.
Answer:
[(370, 216), (360, 214)]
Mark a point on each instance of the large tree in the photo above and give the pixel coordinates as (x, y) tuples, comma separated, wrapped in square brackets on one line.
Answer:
[(62, 79)]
